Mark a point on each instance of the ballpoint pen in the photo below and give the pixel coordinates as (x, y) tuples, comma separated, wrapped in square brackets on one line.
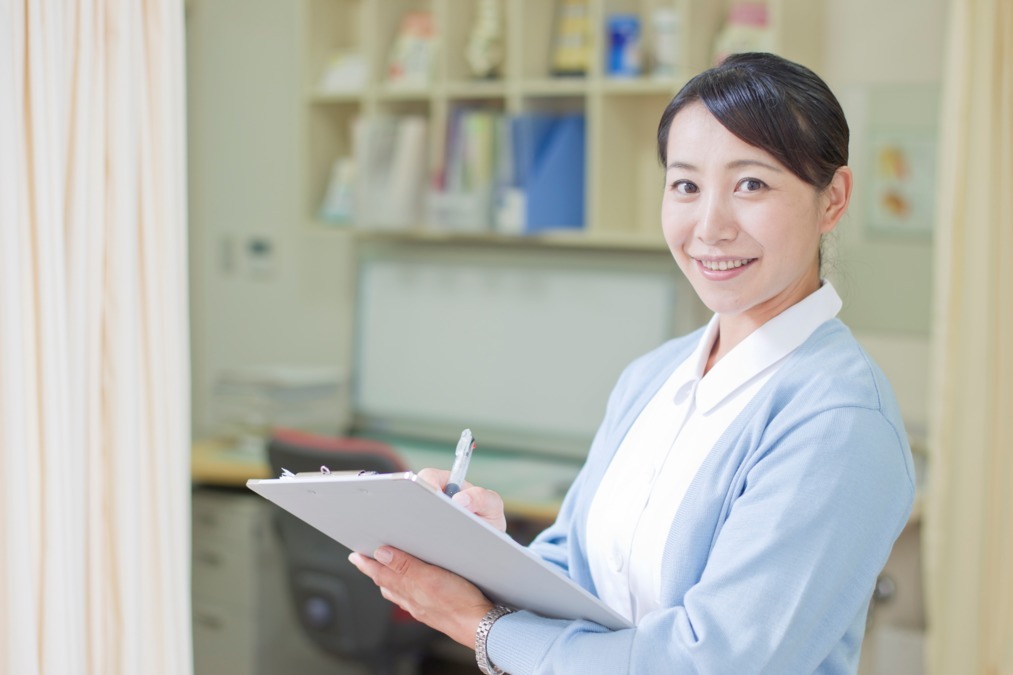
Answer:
[(462, 455)]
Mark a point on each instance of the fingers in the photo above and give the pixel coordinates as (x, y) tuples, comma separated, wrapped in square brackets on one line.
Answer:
[(385, 564), (375, 568), (432, 595), (486, 504)]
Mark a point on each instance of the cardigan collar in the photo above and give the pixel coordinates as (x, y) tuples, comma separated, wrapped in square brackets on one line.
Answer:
[(763, 348)]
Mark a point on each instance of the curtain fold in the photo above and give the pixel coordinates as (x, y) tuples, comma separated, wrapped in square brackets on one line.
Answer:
[(968, 533), (94, 363)]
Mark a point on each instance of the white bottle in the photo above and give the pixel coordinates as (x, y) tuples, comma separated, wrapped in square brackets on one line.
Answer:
[(666, 38)]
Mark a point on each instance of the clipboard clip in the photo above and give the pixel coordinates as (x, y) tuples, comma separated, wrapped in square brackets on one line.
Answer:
[(324, 471)]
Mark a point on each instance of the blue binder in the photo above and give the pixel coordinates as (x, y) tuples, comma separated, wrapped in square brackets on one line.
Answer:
[(549, 166)]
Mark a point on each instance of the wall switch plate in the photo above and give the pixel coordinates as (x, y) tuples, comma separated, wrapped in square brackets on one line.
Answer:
[(259, 257)]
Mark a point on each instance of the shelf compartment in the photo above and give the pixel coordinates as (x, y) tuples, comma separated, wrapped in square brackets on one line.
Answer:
[(627, 184)]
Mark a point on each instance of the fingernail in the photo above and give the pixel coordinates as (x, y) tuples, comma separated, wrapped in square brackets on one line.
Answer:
[(383, 555), (462, 498)]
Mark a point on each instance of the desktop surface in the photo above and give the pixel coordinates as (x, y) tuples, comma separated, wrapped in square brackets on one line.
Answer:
[(532, 486)]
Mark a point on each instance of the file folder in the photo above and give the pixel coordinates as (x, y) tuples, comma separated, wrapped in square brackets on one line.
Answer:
[(549, 165)]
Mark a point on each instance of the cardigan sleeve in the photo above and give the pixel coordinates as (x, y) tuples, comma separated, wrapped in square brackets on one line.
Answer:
[(789, 572)]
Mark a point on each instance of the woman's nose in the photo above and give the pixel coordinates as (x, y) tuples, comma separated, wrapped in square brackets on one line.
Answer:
[(717, 221)]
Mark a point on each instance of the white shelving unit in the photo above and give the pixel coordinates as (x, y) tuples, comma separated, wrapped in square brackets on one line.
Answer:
[(623, 179)]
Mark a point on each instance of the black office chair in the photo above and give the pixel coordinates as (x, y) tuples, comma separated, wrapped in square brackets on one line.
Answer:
[(339, 608)]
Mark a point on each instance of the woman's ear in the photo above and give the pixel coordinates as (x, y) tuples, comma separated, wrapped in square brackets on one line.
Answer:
[(835, 199)]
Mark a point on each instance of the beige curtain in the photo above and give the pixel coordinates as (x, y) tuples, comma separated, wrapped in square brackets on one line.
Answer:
[(94, 384), (969, 524)]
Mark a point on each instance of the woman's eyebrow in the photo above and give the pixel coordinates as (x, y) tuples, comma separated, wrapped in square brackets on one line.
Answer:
[(741, 163), (681, 165), (737, 164)]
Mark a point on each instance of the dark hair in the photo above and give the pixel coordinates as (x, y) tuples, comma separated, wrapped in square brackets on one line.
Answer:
[(774, 104)]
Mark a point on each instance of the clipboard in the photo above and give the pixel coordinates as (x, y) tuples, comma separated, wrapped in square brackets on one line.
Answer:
[(364, 512)]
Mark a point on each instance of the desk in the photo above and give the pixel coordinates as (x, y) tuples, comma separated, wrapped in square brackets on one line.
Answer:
[(532, 487)]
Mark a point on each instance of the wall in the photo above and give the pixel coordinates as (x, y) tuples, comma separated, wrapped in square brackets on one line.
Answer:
[(295, 307), (884, 60), (288, 306)]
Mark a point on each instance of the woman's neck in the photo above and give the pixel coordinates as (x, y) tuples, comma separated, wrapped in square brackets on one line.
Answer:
[(734, 328)]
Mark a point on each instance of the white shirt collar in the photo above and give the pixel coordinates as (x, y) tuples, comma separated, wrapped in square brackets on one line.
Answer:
[(764, 347)]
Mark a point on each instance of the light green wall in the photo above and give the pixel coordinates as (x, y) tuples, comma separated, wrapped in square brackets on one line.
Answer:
[(885, 277)]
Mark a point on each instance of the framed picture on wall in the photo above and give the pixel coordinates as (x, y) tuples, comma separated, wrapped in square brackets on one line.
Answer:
[(901, 197)]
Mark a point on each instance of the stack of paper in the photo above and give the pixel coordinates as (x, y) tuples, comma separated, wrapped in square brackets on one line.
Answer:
[(250, 400)]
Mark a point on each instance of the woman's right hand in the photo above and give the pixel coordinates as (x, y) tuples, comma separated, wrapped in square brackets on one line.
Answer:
[(486, 504)]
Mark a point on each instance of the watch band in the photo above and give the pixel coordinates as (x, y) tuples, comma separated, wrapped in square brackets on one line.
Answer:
[(482, 636)]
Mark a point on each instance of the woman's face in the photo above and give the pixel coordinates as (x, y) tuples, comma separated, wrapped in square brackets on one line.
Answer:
[(744, 230)]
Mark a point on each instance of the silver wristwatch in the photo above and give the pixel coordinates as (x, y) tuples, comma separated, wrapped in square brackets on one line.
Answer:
[(482, 635)]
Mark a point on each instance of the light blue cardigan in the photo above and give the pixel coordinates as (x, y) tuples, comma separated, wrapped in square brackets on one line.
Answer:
[(773, 555)]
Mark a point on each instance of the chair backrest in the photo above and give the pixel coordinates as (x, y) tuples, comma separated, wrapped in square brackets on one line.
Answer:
[(301, 451), (339, 608)]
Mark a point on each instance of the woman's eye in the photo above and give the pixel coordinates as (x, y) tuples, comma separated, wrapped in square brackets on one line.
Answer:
[(684, 187), (751, 184)]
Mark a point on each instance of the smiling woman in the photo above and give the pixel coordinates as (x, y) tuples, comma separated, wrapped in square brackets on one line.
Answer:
[(748, 480), (748, 197)]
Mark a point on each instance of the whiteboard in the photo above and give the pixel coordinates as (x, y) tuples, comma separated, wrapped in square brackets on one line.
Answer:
[(524, 350)]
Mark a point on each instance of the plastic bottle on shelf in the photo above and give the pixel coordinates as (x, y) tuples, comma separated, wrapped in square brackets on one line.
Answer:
[(666, 42), (624, 53), (746, 30)]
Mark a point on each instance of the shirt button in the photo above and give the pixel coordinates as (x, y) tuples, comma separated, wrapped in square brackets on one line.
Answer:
[(616, 559)]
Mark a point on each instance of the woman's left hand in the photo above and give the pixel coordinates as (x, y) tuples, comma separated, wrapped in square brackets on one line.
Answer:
[(434, 596)]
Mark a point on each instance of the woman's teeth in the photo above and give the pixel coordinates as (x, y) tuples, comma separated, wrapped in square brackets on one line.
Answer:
[(720, 265)]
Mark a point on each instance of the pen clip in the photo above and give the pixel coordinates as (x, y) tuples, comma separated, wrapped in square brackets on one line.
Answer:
[(465, 444)]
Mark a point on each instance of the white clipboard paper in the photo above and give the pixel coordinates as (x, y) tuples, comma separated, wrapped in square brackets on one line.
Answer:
[(364, 512)]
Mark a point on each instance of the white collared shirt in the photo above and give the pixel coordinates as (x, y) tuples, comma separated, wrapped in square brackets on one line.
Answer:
[(633, 509)]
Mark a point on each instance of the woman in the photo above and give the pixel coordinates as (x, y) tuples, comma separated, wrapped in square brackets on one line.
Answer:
[(748, 480)]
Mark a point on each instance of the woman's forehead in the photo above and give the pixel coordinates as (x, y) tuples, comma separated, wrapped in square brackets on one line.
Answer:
[(696, 136)]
